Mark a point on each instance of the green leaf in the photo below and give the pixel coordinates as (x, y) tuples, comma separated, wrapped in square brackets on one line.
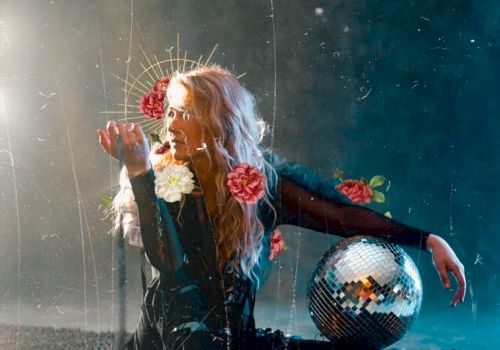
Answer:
[(378, 197), (156, 138), (339, 174), (388, 214), (106, 201), (376, 181)]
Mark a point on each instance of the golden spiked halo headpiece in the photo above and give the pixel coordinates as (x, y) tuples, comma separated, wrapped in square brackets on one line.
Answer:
[(145, 93)]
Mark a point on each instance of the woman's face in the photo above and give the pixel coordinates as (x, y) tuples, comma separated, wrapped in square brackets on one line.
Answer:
[(184, 130)]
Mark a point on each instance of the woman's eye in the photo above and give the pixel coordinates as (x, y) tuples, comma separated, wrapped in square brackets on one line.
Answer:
[(171, 114), (186, 115)]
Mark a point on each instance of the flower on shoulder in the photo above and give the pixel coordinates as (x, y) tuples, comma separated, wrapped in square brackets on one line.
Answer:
[(277, 244), (246, 183), (358, 191), (173, 181), (361, 191)]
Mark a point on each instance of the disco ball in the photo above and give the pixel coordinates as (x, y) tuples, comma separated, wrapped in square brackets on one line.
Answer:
[(365, 293)]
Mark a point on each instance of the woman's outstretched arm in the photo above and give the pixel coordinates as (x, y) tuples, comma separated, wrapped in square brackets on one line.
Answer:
[(305, 199), (305, 208)]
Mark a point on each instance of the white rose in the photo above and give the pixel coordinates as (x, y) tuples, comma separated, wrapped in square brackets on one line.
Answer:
[(173, 181)]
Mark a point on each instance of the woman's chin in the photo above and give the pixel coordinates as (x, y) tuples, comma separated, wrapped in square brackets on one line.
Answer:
[(179, 155)]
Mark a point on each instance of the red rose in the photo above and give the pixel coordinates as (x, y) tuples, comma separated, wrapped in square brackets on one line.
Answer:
[(151, 104), (277, 244), (357, 191), (163, 149), (246, 183)]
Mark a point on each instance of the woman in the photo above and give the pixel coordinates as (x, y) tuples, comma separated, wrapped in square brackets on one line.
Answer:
[(210, 248)]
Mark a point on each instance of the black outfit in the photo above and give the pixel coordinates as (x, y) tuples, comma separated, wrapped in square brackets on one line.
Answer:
[(189, 305)]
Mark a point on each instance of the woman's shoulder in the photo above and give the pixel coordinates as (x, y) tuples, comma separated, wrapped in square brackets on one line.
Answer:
[(303, 176)]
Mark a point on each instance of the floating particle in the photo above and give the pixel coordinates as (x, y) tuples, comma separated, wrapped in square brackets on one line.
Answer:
[(346, 29), (319, 11), (365, 95), (45, 95), (478, 259)]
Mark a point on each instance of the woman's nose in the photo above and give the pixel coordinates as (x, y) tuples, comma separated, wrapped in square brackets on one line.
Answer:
[(173, 120)]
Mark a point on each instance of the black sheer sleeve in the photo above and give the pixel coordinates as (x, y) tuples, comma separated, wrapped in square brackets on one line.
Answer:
[(160, 239), (304, 199)]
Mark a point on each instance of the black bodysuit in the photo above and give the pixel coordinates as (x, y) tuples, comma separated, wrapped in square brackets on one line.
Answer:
[(192, 307)]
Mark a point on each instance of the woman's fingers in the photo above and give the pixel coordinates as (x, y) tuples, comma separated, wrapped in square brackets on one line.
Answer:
[(104, 140), (443, 274), (139, 134), (113, 134), (132, 138), (123, 134), (459, 275)]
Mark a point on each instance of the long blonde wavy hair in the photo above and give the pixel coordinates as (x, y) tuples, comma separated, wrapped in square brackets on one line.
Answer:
[(228, 116)]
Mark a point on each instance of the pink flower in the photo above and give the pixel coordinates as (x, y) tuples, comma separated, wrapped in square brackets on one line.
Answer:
[(357, 191), (246, 183), (277, 244), (151, 104)]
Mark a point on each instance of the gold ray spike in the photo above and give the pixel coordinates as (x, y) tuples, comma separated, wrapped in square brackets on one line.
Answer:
[(199, 61), (149, 62), (211, 53), (130, 92), (146, 70), (241, 75), (152, 124), (126, 105), (156, 129), (134, 118), (137, 80), (171, 61), (151, 120), (159, 66), (117, 112), (127, 83), (178, 50), (185, 58)]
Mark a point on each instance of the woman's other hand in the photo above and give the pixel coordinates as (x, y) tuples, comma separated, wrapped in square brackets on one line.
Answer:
[(134, 143), (445, 260)]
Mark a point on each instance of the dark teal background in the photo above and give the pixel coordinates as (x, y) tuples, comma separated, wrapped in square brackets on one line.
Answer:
[(404, 89)]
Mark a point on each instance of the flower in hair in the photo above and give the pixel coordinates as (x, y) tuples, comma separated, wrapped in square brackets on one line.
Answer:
[(277, 244), (151, 104), (246, 183), (173, 181)]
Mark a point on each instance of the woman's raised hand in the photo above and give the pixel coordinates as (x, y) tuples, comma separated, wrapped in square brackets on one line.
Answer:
[(445, 260), (134, 143)]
